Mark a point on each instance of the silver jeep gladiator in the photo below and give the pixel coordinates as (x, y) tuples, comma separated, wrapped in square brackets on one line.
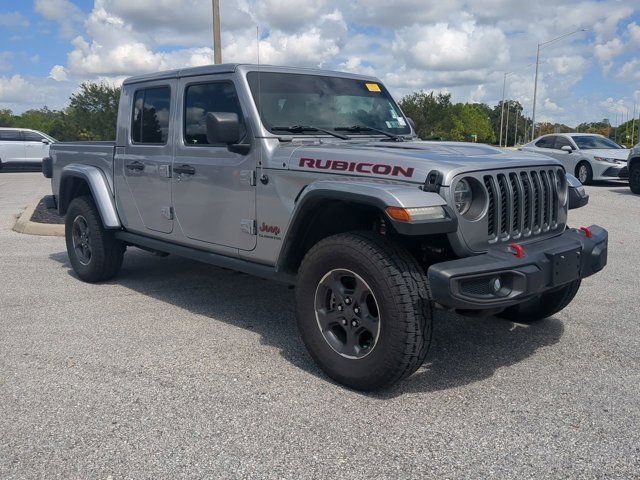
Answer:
[(317, 179)]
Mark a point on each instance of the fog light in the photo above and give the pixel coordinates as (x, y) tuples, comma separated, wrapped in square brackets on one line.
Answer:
[(499, 288)]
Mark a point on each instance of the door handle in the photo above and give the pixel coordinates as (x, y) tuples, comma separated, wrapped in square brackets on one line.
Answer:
[(184, 169), (136, 165)]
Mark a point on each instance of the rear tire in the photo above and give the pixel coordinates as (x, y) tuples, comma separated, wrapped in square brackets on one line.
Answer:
[(94, 252), (542, 306), (584, 172), (634, 178), (364, 310)]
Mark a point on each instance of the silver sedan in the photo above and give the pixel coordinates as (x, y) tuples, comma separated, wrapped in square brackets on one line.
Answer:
[(588, 156)]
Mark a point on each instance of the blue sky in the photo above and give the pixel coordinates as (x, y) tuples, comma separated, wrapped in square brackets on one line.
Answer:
[(47, 47)]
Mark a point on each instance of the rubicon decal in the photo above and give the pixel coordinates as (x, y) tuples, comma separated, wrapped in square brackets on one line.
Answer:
[(366, 168)]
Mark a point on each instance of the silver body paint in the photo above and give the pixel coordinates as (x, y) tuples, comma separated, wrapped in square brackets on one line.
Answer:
[(211, 210)]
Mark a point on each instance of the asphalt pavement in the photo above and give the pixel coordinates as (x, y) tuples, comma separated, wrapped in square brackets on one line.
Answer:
[(182, 370)]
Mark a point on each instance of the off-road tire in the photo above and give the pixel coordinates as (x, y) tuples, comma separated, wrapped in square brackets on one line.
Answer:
[(542, 306), (401, 289), (634, 178), (106, 252), (589, 178)]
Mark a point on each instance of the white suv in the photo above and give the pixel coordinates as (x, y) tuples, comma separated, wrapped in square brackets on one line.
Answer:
[(22, 145)]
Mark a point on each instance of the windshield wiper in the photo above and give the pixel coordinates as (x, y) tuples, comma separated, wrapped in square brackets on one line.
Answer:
[(364, 128), (309, 128)]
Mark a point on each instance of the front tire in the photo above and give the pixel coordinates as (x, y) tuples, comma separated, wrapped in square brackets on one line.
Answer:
[(94, 252), (634, 178), (542, 306), (584, 172), (364, 310)]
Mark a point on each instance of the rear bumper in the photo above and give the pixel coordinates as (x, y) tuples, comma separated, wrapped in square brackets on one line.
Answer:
[(498, 278)]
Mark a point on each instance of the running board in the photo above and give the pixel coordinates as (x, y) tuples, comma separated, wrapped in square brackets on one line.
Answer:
[(223, 261)]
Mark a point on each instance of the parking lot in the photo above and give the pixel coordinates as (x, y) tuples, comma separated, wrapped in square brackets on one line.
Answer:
[(177, 369)]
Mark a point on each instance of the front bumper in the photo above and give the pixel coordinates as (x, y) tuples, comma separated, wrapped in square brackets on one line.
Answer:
[(608, 171), (498, 278)]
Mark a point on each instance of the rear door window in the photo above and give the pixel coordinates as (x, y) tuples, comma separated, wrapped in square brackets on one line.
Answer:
[(150, 118), (546, 142), (32, 137), (10, 136)]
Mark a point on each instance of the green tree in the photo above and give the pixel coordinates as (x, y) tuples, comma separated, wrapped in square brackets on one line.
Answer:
[(432, 113), (93, 111), (471, 122)]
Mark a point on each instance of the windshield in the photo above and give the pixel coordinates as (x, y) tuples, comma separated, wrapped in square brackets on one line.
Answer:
[(592, 142), (286, 99)]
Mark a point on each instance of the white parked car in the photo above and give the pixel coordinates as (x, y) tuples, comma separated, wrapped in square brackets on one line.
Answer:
[(588, 156), (23, 146)]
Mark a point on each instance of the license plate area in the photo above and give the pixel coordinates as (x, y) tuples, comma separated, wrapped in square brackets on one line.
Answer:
[(565, 266)]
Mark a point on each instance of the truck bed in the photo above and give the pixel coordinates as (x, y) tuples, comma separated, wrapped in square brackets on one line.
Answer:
[(98, 154)]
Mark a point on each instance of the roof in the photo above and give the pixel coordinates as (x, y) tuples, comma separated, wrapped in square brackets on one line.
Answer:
[(230, 68)]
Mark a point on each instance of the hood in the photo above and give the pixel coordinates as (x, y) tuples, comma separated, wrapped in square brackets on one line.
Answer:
[(406, 161), (617, 153)]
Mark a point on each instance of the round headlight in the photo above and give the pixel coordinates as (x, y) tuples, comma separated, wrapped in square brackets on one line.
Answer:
[(463, 196)]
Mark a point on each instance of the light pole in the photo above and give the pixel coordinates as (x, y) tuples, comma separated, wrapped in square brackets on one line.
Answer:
[(504, 85), (535, 82), (217, 48), (506, 132)]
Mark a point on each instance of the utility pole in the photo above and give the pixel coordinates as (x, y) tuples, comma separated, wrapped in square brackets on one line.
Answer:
[(535, 96), (633, 125), (515, 135), (535, 82), (506, 133), (217, 47), (504, 82)]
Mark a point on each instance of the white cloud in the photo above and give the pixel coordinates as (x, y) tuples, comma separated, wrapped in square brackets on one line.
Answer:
[(630, 71), (65, 13), (5, 61), (455, 46), (13, 19), (58, 73), (448, 47)]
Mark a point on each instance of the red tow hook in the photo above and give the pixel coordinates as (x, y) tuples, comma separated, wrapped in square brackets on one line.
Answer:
[(587, 232), (517, 250)]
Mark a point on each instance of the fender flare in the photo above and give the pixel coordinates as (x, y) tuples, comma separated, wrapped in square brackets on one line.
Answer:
[(374, 194), (99, 187)]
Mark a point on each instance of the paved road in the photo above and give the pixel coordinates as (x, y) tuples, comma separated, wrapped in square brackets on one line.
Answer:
[(179, 370)]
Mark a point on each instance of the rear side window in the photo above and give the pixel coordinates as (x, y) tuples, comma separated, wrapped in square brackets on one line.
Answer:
[(150, 119), (32, 137), (546, 142), (10, 136), (203, 98)]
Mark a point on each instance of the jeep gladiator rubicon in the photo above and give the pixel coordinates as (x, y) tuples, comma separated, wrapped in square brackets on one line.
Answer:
[(317, 179)]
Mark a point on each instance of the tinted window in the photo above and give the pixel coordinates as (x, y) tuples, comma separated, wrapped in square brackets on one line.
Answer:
[(150, 122), (10, 136), (204, 98), (562, 142), (546, 142), (286, 99), (589, 142), (32, 137)]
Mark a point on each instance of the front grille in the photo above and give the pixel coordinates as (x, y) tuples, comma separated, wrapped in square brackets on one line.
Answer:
[(522, 203)]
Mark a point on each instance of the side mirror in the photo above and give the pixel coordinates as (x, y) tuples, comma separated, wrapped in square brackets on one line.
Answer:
[(45, 141), (223, 128), (566, 148), (578, 197), (412, 124)]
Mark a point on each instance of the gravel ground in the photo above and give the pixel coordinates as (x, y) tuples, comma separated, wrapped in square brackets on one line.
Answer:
[(42, 214), (181, 370)]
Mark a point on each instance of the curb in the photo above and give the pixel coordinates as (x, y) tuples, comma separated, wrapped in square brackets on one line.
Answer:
[(25, 225)]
